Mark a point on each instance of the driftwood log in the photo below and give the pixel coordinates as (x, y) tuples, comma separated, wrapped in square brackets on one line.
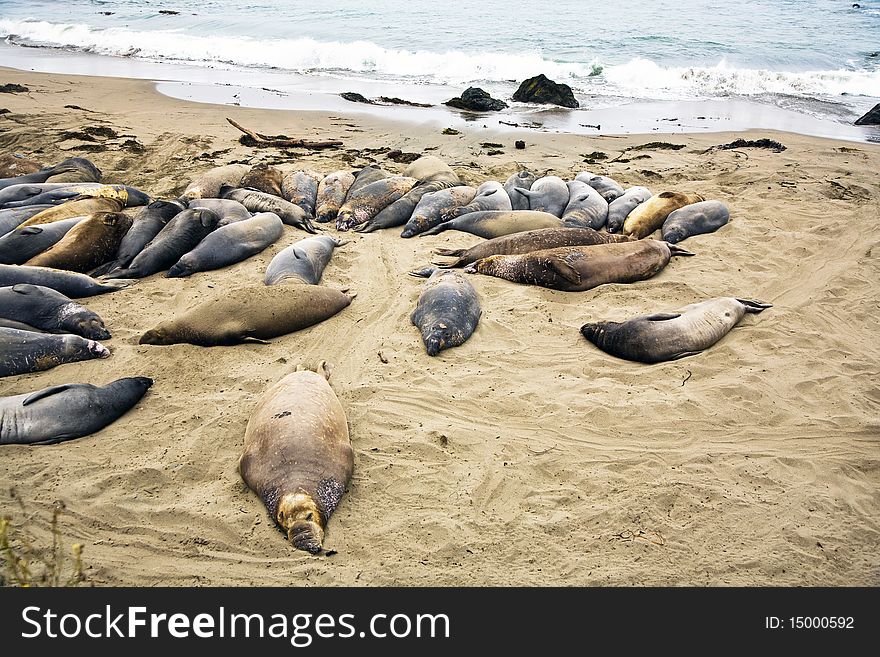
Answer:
[(251, 138)]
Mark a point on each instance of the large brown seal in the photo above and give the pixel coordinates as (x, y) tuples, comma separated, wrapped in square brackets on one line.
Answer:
[(366, 202), (22, 352), (672, 335), (263, 178), (579, 268), (332, 191), (298, 456), (526, 242), (448, 310), (495, 223), (16, 171), (619, 208), (75, 208), (250, 314), (91, 243), (209, 183), (650, 215)]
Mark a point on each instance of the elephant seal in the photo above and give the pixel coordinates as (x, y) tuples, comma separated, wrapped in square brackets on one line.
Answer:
[(145, 226), (495, 223), (586, 207), (228, 210), (87, 171), (619, 208), (12, 218), (76, 208), (673, 335), (180, 235), (526, 242), (366, 202), (209, 183), (302, 262), (22, 352), (401, 211), (489, 196), (332, 191), (263, 178), (255, 201), (91, 243), (448, 310), (57, 193), (547, 194), (230, 244), (650, 215), (521, 180), (68, 411), (250, 314), (694, 219), (579, 268), (48, 310), (69, 283), (297, 455), (431, 207), (301, 188), (430, 167), (22, 244), (367, 176), (608, 188)]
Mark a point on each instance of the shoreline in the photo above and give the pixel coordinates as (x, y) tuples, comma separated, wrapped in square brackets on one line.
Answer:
[(525, 456)]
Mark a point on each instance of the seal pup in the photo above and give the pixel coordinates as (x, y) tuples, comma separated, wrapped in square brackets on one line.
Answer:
[(547, 194), (69, 283), (301, 188), (263, 178), (22, 352), (431, 207), (297, 455), (228, 210), (230, 244), (68, 411), (255, 201), (87, 245), (495, 223), (619, 208), (586, 207), (209, 183), (650, 215), (521, 180), (76, 208), (302, 262), (250, 314), (48, 310), (579, 268), (180, 235), (673, 335), (489, 196), (366, 202), (332, 191), (526, 242), (694, 219), (448, 310), (12, 218), (21, 244), (607, 187)]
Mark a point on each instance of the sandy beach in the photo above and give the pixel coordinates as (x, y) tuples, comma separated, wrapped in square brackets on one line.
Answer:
[(526, 456)]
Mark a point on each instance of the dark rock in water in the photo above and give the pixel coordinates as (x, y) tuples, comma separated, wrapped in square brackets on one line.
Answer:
[(476, 100), (520, 144), (871, 117), (393, 100), (541, 89), (753, 143), (169, 12), (356, 98), (12, 88), (450, 131)]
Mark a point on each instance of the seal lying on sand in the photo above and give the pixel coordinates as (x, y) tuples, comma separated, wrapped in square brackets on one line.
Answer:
[(650, 215), (22, 352), (228, 210), (67, 411), (250, 314), (46, 309), (91, 243), (547, 194), (669, 336), (522, 180), (209, 183), (332, 191), (301, 188), (366, 202), (495, 223), (77, 208), (255, 201), (579, 268), (87, 171), (298, 456), (619, 208), (586, 207), (448, 310), (302, 262), (489, 196), (431, 207), (607, 187), (694, 219), (263, 178), (21, 244), (69, 283)]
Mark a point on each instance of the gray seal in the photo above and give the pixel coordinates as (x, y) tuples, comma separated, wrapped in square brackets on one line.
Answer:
[(521, 180), (48, 310), (609, 188), (69, 283), (209, 183), (495, 223), (12, 218), (586, 208), (21, 244), (255, 201), (301, 188), (180, 235), (68, 411), (332, 191), (58, 193), (694, 219), (431, 207), (619, 208), (363, 204), (401, 210), (367, 176), (228, 210), (547, 194), (669, 336), (489, 196), (448, 310), (88, 173), (230, 244), (302, 262), (22, 352)]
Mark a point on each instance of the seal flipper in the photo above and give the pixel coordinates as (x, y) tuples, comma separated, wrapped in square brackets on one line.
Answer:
[(439, 228), (48, 392), (30, 230), (423, 273), (754, 306), (564, 269), (106, 268), (661, 317), (676, 250)]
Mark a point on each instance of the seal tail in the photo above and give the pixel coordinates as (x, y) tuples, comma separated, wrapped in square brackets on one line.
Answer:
[(676, 250), (452, 253), (754, 306), (104, 269), (452, 264), (306, 535)]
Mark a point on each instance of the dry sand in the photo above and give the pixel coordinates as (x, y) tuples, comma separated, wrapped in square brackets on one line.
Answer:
[(525, 456)]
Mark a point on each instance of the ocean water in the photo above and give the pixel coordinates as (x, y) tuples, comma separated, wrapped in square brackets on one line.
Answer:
[(816, 57)]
